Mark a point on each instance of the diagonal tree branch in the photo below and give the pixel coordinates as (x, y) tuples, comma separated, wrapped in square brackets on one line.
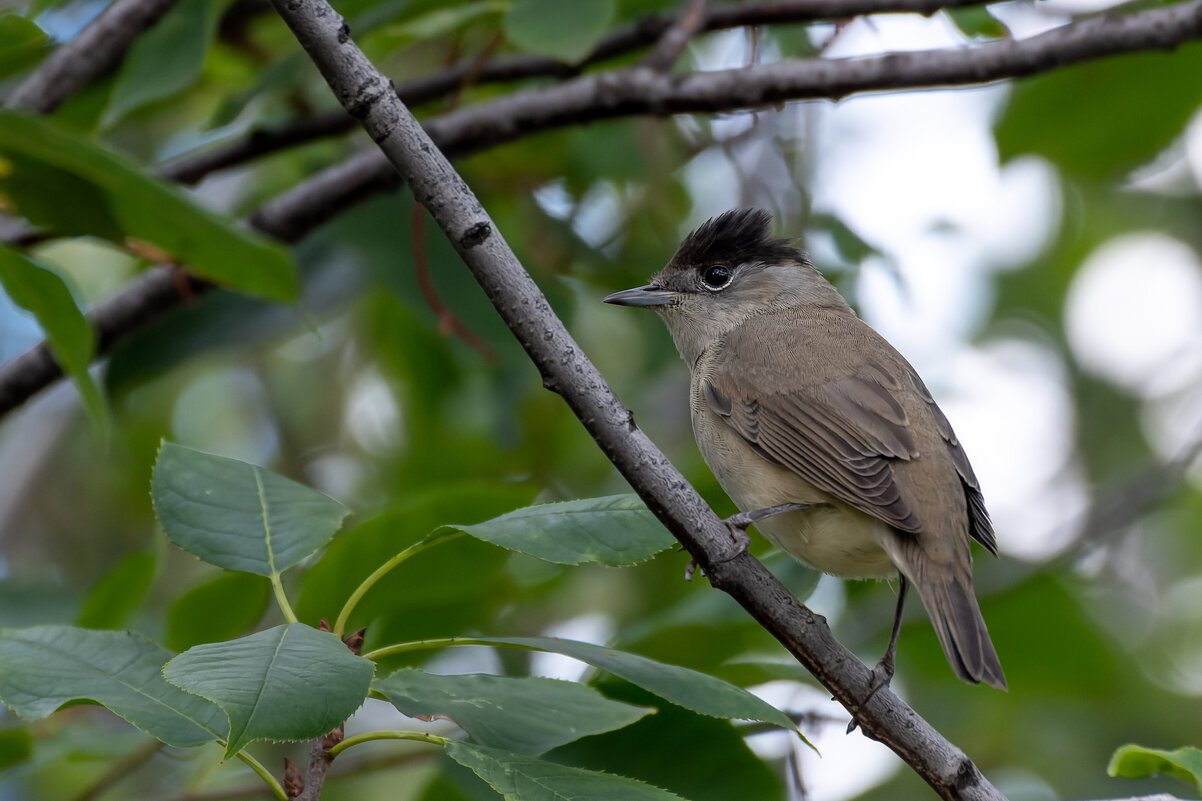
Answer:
[(92, 54), (628, 92), (567, 371)]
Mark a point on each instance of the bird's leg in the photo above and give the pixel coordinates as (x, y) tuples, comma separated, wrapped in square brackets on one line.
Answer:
[(742, 520), (882, 674), (738, 524)]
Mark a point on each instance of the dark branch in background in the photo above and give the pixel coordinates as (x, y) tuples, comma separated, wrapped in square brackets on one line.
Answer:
[(190, 169), (119, 770), (567, 371), (294, 213), (1121, 506), (641, 91), (147, 298), (92, 54)]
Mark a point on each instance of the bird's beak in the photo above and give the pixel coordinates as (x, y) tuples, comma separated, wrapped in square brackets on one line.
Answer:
[(650, 295)]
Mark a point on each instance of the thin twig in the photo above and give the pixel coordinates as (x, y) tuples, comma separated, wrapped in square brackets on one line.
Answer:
[(448, 322), (345, 765), (120, 769), (92, 54), (676, 38), (1118, 508), (475, 69)]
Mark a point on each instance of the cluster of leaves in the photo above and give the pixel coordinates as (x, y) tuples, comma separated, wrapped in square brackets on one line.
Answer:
[(295, 682), (71, 185)]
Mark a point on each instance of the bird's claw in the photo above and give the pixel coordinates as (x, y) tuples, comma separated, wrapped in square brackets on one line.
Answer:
[(737, 525), (882, 676)]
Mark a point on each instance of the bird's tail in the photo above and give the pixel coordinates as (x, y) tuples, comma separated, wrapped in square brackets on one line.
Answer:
[(952, 607)]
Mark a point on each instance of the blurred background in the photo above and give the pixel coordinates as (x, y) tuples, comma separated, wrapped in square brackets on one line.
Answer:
[(1031, 247)]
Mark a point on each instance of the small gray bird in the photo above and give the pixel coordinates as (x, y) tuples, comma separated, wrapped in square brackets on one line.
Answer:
[(795, 400)]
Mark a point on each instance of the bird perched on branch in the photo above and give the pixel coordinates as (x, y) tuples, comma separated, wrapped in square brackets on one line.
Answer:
[(795, 401)]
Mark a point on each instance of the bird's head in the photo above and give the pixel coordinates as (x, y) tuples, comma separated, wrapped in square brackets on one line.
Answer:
[(728, 270)]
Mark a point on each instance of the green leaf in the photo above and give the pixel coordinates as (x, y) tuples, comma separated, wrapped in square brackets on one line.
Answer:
[(21, 43), (291, 682), (529, 715), (239, 516), (16, 746), (1104, 117), (59, 200), (688, 688), (524, 778), (442, 21), (976, 22), (118, 593), (70, 337), (217, 610), (567, 31), (1137, 762), (852, 248), (710, 762), (44, 667), (166, 60), (615, 530), (144, 207)]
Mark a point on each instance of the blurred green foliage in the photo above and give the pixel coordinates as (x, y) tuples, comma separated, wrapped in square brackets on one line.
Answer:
[(360, 391)]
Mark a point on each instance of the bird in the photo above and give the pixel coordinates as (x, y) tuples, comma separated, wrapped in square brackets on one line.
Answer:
[(798, 404)]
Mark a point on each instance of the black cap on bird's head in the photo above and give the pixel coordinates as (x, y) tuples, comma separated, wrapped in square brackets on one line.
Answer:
[(735, 237), (709, 257)]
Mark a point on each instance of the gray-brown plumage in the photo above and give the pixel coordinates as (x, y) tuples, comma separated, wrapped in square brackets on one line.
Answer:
[(794, 399)]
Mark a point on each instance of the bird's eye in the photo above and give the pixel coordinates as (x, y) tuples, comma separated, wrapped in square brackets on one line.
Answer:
[(716, 276)]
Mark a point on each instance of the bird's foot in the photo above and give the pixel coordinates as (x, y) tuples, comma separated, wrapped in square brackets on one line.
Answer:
[(742, 541), (738, 524), (691, 568), (882, 675)]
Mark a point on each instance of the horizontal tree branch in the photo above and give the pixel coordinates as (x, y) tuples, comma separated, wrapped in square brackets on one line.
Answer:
[(646, 92), (567, 371), (628, 92), (648, 31), (92, 54)]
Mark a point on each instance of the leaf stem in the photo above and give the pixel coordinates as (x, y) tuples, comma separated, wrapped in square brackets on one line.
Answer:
[(439, 536), (277, 586), (276, 788), (368, 736), (447, 642)]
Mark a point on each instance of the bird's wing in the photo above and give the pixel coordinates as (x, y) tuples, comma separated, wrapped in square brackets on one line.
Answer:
[(840, 435), (842, 432), (979, 524)]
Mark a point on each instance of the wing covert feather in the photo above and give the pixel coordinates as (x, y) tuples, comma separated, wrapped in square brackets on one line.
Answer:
[(838, 436)]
